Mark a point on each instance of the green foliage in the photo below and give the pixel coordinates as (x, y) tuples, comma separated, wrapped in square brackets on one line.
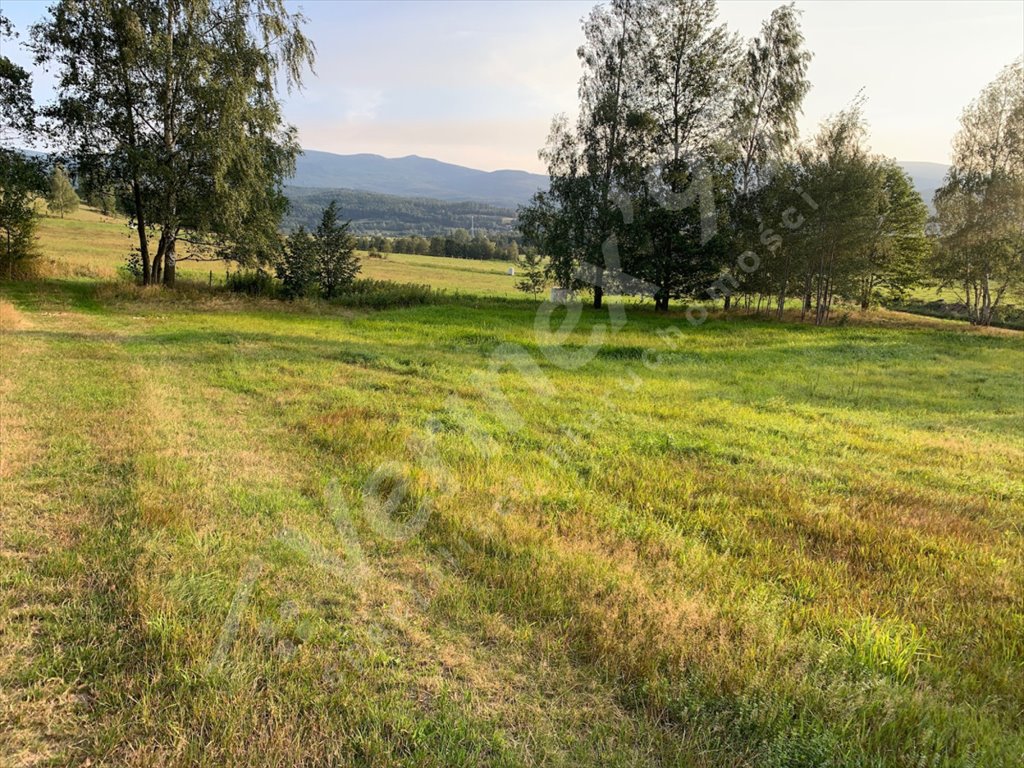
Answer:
[(897, 254), (131, 270), (381, 294), (533, 276), (61, 197), (885, 647), (18, 249), (297, 268), (678, 253), (683, 171), (175, 105), (359, 293), (457, 245), (21, 179), (253, 282), (772, 86), (645, 177), (334, 252), (320, 263), (555, 220), (392, 216), (102, 199), (1005, 315), (838, 173), (17, 112), (980, 208)]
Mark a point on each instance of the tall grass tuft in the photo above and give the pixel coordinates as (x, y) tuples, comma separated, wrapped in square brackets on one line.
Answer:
[(885, 646)]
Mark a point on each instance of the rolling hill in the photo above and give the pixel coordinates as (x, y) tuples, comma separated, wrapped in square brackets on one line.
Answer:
[(415, 176)]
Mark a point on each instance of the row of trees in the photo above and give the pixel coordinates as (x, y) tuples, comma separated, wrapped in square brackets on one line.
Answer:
[(684, 171), (678, 126), (980, 207), (168, 110), (843, 224), (458, 245)]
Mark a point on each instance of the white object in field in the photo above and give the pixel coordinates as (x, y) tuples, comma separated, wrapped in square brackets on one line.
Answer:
[(562, 296), (511, 270)]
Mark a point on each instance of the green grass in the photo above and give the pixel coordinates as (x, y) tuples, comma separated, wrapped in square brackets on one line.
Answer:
[(87, 244), (486, 278), (744, 543), (920, 301)]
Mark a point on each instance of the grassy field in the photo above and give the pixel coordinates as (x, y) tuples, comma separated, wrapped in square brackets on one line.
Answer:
[(89, 244), (241, 532)]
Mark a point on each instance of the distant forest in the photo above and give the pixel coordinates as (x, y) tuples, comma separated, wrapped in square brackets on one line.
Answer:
[(373, 213), (458, 245)]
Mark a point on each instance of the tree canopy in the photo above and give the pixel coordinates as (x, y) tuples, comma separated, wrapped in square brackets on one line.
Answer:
[(61, 197), (174, 105), (981, 205), (686, 169), (21, 177)]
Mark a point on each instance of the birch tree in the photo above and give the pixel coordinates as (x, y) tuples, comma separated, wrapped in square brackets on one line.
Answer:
[(175, 102), (981, 205)]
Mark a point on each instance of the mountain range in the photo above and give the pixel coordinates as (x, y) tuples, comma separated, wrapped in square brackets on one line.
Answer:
[(423, 177), (415, 176)]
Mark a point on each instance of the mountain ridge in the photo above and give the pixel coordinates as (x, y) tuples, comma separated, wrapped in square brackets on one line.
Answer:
[(415, 176)]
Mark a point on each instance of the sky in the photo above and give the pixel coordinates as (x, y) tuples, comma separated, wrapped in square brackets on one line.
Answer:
[(478, 82)]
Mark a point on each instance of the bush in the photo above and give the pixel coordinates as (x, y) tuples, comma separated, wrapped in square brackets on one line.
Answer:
[(381, 294), (19, 255), (1004, 315), (254, 282), (131, 270)]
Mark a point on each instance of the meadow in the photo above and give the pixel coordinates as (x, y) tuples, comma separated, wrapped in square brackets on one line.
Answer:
[(242, 531), (88, 244)]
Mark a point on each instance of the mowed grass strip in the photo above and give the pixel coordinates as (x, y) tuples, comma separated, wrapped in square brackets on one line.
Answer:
[(747, 543)]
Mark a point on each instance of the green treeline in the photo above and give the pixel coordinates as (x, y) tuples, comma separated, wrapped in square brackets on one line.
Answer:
[(393, 216), (684, 178), (457, 245)]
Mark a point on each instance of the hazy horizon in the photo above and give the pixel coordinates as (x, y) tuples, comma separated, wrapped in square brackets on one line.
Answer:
[(477, 83)]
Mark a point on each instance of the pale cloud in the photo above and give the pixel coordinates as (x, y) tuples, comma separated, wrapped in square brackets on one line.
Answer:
[(362, 103)]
